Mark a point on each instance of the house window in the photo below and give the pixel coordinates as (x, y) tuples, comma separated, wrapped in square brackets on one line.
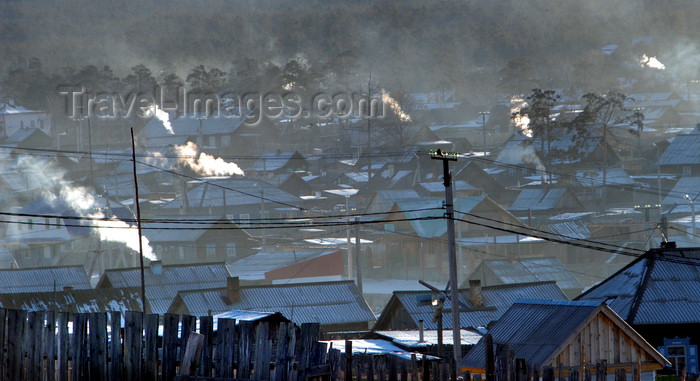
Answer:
[(687, 171), (212, 141), (512, 171), (231, 250), (676, 355), (211, 250), (47, 252), (226, 141), (29, 224), (181, 252), (244, 219)]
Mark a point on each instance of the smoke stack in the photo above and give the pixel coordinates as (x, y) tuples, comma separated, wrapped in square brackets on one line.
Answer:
[(475, 293), (156, 267), (233, 290)]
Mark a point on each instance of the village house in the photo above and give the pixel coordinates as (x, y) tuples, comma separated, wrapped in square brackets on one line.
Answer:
[(280, 266), (163, 282), (337, 306), (479, 306), (14, 118), (567, 336), (494, 272), (658, 294), (198, 239)]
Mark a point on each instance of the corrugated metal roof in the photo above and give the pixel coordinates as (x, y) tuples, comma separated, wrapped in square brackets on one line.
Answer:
[(432, 207), (45, 279), (613, 176), (538, 199), (496, 299), (683, 150), (534, 329), (232, 192), (188, 125), (272, 161), (671, 294), (685, 186), (162, 288), (80, 301), (255, 266), (568, 230), (410, 338), (324, 302)]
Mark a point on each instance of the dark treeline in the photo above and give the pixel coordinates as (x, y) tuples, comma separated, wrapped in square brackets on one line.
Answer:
[(476, 47)]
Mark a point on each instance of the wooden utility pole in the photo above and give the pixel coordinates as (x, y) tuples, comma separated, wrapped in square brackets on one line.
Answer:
[(452, 253), (138, 221)]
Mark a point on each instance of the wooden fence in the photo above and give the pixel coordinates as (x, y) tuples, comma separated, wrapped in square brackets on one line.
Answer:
[(49, 346)]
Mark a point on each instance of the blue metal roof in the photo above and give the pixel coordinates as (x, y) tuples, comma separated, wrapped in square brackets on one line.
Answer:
[(683, 150), (661, 287)]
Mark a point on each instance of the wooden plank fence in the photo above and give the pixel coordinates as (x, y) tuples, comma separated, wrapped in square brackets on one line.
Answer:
[(50, 346)]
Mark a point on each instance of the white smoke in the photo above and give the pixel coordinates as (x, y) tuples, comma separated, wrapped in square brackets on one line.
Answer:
[(651, 62), (81, 200), (520, 121), (205, 164), (163, 117), (395, 107)]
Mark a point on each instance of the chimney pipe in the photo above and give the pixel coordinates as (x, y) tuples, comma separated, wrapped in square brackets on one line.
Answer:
[(156, 267), (233, 290), (421, 339), (475, 293)]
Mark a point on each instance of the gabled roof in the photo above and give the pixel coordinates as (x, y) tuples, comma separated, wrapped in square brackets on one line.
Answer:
[(660, 287), (190, 126), (438, 186), (685, 186), (496, 300), (326, 303), (43, 279), (537, 330), (163, 285), (683, 150), (613, 176), (538, 199), (519, 150), (25, 133), (77, 301), (272, 161), (530, 270), (427, 207), (255, 266), (232, 192)]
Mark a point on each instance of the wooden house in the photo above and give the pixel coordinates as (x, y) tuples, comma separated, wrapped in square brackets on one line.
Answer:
[(479, 306), (569, 336), (163, 282), (680, 157), (337, 305), (494, 272), (658, 294)]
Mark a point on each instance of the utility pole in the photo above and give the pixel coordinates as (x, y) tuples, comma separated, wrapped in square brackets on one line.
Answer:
[(483, 125), (358, 263), (138, 222), (449, 217)]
